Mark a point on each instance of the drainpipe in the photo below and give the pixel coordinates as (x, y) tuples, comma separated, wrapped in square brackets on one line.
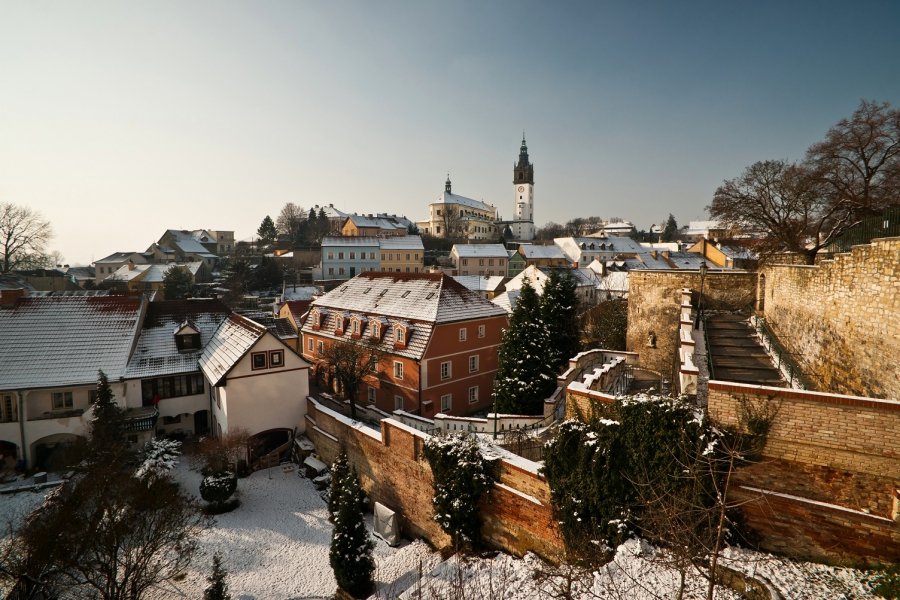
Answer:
[(21, 415)]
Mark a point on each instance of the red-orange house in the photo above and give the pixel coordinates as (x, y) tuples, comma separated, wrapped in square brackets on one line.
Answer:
[(440, 340)]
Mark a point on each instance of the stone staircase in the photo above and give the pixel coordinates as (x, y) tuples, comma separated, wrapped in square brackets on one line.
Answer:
[(736, 354)]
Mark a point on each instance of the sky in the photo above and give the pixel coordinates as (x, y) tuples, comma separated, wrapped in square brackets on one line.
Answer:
[(119, 120)]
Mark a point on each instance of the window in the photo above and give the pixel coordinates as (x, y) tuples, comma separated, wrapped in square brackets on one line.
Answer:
[(399, 336), (341, 271), (320, 347), (62, 400), (310, 344), (465, 262), (371, 256), (8, 409), (331, 256), (331, 270), (355, 327), (340, 256), (446, 370), (490, 262), (398, 402), (446, 403), (371, 395), (462, 334), (473, 394), (276, 359), (481, 331), (353, 256), (258, 360), (481, 262), (383, 256), (473, 363), (398, 369)]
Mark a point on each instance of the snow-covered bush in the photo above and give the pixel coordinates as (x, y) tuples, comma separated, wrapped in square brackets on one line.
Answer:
[(351, 549), (218, 488), (461, 475), (158, 457)]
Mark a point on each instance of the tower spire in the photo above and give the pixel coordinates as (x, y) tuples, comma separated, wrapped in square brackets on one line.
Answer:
[(447, 184)]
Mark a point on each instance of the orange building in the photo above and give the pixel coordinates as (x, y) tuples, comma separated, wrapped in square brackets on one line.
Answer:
[(439, 340)]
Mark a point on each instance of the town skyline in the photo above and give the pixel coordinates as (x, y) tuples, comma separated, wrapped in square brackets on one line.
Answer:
[(122, 121)]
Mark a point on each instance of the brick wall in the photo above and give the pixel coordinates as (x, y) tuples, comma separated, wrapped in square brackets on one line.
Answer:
[(517, 513), (841, 319), (654, 305), (830, 468)]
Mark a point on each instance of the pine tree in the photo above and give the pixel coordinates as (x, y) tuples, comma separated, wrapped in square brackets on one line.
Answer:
[(559, 310), (670, 232), (526, 373), (339, 471), (351, 547), (177, 283), (267, 231), (218, 587), (107, 430)]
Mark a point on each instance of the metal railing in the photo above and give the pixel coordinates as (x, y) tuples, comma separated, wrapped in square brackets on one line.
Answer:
[(783, 359), (709, 358)]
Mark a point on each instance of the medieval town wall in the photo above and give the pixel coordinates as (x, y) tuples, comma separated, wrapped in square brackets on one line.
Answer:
[(654, 306), (840, 319)]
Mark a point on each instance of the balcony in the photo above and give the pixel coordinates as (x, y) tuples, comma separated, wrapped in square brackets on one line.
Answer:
[(57, 414)]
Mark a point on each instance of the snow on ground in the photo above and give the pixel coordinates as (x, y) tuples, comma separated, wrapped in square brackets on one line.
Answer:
[(275, 544), (275, 547)]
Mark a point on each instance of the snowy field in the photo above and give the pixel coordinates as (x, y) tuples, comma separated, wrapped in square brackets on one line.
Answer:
[(275, 547)]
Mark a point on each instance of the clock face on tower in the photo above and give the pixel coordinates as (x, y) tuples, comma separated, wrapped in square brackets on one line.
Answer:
[(521, 188)]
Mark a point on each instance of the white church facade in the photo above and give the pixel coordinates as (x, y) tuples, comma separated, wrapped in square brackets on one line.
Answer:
[(466, 218)]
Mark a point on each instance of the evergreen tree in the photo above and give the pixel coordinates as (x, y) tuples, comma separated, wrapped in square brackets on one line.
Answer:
[(339, 471), (267, 232), (323, 225), (218, 587), (177, 283), (526, 373), (107, 430), (670, 231), (351, 547), (559, 310), (268, 274)]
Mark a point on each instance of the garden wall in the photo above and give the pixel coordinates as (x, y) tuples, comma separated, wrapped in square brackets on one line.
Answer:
[(827, 484), (517, 513)]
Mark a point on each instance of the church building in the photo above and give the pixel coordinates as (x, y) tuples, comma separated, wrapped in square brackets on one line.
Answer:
[(466, 218)]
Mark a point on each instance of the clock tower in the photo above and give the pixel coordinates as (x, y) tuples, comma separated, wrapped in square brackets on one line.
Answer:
[(523, 186)]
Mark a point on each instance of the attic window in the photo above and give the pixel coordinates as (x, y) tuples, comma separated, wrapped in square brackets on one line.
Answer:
[(382, 293), (367, 290), (404, 294), (429, 296), (344, 289)]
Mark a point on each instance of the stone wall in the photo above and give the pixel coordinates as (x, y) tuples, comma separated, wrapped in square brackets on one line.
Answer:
[(841, 319), (517, 513), (825, 485), (654, 306)]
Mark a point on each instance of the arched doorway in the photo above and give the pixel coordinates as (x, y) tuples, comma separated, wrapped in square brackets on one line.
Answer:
[(56, 452)]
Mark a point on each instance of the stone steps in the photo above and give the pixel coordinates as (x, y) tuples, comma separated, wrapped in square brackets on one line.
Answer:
[(735, 353)]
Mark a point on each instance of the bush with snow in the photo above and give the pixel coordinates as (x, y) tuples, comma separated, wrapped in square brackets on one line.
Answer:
[(218, 488), (158, 458), (351, 549), (461, 475)]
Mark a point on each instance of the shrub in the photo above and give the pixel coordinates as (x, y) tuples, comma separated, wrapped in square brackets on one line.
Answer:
[(350, 554), (218, 488)]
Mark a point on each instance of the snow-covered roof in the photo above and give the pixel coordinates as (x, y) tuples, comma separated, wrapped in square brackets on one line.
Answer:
[(614, 281), (736, 252), (116, 257), (702, 227), (155, 273), (480, 283), (156, 353), (608, 246), (536, 252), (537, 278), (402, 242), (330, 211), (231, 341), (188, 243), (480, 251), (507, 300), (359, 240), (52, 341), (448, 198), (422, 297), (299, 292)]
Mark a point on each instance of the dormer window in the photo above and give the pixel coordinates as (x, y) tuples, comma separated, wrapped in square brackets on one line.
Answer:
[(187, 337), (399, 336), (316, 317)]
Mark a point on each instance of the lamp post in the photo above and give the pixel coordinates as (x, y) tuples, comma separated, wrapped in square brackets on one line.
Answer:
[(703, 270)]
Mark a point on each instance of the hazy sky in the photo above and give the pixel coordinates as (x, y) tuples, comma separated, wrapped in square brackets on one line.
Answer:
[(121, 119)]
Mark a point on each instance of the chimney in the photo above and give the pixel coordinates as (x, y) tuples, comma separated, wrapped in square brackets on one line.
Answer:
[(130, 265), (10, 297)]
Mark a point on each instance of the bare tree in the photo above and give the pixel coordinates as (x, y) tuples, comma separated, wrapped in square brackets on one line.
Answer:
[(350, 362), (859, 159), (454, 223), (23, 236), (289, 219), (783, 201)]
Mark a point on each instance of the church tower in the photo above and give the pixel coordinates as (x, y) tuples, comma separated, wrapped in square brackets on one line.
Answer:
[(523, 186)]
